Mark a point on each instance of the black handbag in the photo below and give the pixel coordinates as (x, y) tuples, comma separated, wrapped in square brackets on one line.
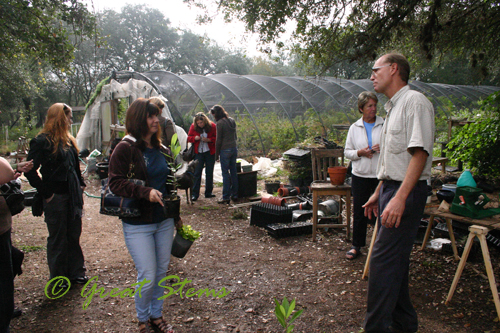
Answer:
[(115, 205), (188, 153), (14, 196)]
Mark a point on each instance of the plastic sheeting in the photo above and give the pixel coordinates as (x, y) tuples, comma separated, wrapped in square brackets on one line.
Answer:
[(90, 133)]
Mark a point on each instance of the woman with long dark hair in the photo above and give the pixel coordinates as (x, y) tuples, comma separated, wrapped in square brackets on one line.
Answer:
[(140, 155), (61, 186), (202, 134), (227, 151)]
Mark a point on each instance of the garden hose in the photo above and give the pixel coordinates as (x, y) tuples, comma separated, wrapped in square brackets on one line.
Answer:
[(86, 165), (91, 195)]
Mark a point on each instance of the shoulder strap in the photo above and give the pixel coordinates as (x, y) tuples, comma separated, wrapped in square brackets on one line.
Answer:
[(131, 166)]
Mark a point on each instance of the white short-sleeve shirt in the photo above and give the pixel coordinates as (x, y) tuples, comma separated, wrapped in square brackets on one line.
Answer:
[(409, 124)]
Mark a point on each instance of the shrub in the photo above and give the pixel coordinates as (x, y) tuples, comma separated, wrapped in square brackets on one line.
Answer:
[(477, 144)]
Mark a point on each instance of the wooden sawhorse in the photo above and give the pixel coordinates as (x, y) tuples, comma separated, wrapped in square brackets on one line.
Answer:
[(479, 232)]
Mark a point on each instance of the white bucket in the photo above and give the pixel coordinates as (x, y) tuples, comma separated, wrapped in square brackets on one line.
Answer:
[(451, 187)]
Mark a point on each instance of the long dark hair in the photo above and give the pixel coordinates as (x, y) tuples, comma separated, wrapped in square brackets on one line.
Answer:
[(218, 112), (136, 122)]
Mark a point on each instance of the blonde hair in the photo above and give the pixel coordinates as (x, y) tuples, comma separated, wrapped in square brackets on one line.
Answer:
[(364, 98), (158, 102), (57, 127)]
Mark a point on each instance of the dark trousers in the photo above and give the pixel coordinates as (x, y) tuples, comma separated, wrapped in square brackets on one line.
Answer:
[(362, 189), (64, 254), (207, 161), (6, 282), (389, 301)]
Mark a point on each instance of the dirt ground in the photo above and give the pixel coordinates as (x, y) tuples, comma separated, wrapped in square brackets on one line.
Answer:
[(253, 266)]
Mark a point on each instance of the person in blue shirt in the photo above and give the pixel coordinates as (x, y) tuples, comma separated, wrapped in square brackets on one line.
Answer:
[(362, 148)]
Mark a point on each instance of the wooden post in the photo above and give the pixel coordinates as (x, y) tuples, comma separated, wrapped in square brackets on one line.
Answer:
[(368, 257)]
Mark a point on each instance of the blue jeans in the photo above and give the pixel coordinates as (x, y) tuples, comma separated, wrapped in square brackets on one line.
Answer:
[(150, 246), (204, 159), (229, 174)]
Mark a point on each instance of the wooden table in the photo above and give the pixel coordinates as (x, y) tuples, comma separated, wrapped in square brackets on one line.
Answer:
[(325, 188), (479, 228), (491, 223)]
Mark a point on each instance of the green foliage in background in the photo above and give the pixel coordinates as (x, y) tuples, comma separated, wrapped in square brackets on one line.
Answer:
[(477, 144), (280, 133)]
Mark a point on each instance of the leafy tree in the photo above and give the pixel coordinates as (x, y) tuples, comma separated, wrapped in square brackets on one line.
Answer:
[(138, 38), (332, 31), (39, 29), (36, 35)]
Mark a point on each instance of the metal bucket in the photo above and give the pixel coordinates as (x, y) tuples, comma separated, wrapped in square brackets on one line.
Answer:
[(329, 207)]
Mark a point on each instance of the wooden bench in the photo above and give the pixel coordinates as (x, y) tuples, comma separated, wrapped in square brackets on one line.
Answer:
[(442, 160)]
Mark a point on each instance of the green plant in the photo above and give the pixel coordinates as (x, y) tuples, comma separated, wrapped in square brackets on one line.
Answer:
[(175, 149), (239, 215), (188, 233), (283, 311), (31, 248), (208, 208), (475, 142)]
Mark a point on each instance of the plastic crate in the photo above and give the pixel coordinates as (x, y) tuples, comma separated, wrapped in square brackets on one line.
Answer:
[(262, 214), (280, 230)]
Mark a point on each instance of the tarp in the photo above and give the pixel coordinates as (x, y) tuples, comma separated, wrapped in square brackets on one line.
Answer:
[(90, 133)]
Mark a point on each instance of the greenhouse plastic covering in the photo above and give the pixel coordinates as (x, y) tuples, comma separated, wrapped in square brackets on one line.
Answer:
[(287, 97)]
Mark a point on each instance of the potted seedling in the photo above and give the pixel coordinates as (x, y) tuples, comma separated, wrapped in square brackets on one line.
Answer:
[(183, 240), (272, 185), (171, 201)]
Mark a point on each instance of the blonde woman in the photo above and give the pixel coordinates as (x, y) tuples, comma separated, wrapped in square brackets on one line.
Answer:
[(363, 149), (54, 151)]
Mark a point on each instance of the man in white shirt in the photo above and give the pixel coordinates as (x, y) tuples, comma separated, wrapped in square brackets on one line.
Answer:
[(403, 168)]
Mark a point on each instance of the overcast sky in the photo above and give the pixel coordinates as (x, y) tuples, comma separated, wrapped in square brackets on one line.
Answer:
[(230, 36)]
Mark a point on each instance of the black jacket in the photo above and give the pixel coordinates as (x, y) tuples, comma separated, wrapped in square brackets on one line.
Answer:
[(55, 168)]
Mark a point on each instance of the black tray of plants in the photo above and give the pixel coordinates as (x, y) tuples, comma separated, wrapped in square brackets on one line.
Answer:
[(280, 230)]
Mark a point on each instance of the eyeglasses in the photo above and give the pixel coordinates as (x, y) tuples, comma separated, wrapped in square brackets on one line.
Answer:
[(376, 69)]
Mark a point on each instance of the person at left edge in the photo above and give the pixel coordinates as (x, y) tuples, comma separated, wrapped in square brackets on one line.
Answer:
[(7, 269), (55, 152), (140, 155)]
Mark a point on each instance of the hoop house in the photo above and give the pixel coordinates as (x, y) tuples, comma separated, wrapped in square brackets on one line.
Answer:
[(283, 101)]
